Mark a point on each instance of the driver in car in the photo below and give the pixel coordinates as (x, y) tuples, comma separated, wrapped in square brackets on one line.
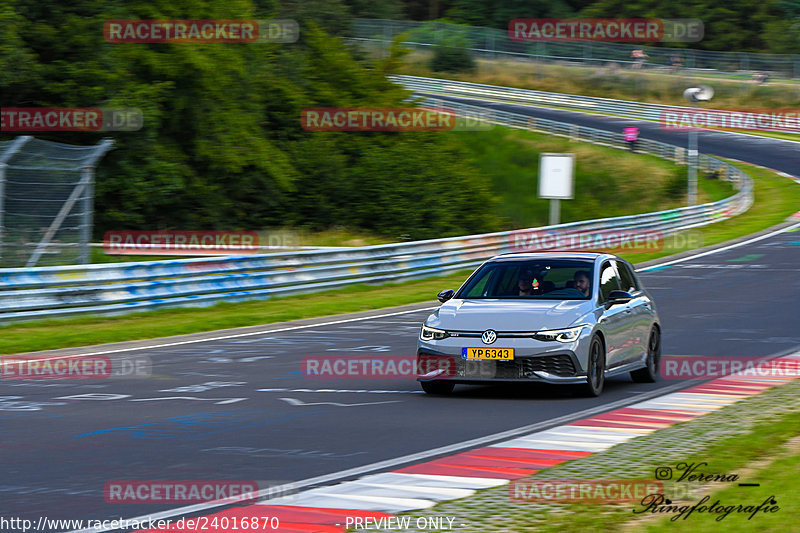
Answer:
[(582, 282)]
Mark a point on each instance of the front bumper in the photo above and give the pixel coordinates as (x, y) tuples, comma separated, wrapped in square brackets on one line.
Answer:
[(554, 367), (534, 361)]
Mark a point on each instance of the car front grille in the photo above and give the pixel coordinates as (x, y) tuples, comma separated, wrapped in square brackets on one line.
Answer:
[(559, 365)]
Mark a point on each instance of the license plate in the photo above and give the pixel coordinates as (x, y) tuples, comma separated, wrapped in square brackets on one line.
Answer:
[(494, 354)]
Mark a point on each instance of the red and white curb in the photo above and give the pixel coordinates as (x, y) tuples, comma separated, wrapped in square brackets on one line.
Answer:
[(420, 486)]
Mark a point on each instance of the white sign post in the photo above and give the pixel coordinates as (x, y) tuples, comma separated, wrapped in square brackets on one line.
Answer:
[(702, 93), (556, 181)]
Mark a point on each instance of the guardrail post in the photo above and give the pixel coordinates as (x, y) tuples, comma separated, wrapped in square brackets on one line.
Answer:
[(692, 196), (2, 203), (680, 156), (15, 147), (387, 39), (86, 215)]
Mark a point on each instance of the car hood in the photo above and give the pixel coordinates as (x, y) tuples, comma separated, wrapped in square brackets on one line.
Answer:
[(509, 315)]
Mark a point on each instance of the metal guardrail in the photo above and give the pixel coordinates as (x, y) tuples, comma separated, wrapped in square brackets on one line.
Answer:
[(495, 43), (512, 95), (112, 289)]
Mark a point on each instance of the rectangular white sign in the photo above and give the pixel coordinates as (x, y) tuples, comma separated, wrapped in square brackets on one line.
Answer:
[(556, 176)]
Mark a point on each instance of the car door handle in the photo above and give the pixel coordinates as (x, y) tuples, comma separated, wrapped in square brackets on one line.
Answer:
[(628, 310)]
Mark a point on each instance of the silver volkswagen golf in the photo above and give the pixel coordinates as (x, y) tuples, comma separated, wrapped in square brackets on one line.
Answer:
[(572, 318)]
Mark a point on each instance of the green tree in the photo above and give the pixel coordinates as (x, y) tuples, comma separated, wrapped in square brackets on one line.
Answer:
[(222, 146), (738, 25), (499, 13)]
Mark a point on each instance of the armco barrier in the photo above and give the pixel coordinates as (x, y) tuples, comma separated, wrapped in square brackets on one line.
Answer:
[(513, 95), (111, 289)]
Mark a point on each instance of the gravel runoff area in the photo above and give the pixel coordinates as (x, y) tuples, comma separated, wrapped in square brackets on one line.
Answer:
[(492, 510)]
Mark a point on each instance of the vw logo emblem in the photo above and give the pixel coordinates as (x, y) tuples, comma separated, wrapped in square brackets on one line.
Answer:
[(489, 336)]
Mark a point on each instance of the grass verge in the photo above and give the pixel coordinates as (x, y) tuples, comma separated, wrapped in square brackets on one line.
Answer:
[(608, 182)]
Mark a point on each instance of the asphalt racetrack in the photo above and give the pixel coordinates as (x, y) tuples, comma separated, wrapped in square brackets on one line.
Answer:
[(239, 408)]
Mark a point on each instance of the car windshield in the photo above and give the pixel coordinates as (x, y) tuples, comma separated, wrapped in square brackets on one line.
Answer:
[(555, 279)]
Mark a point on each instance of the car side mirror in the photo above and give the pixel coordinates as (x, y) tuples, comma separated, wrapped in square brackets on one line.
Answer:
[(446, 295), (618, 297)]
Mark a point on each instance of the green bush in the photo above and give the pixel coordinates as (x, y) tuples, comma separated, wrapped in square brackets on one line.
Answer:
[(452, 59), (676, 186)]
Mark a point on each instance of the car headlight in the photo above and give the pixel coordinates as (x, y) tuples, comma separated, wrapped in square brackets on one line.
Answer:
[(432, 334), (560, 335)]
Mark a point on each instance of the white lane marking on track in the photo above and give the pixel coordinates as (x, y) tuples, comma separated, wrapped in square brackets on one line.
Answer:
[(224, 400), (94, 396), (225, 337), (350, 391), (295, 401), (17, 403), (718, 250), (256, 358), (372, 348)]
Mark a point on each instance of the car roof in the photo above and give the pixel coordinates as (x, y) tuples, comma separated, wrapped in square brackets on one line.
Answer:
[(586, 256)]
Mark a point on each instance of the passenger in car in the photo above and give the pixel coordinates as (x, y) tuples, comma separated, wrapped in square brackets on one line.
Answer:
[(547, 286), (527, 284)]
